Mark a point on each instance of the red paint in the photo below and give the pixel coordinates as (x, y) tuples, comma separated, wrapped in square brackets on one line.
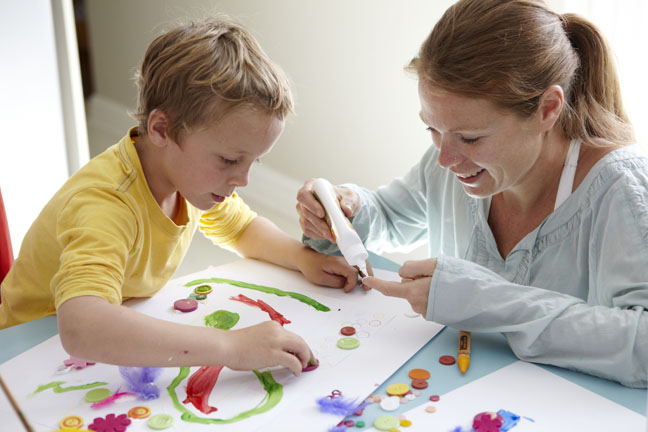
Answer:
[(274, 315), (199, 387)]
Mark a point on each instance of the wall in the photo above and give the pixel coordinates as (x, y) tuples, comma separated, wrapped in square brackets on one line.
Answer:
[(43, 127), (357, 110)]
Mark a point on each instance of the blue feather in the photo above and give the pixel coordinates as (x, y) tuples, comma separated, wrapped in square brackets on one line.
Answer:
[(339, 405)]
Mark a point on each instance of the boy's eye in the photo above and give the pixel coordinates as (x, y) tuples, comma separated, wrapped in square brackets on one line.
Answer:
[(468, 140), (229, 161)]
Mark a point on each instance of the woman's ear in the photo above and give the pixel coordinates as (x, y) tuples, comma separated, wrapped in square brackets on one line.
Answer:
[(157, 128), (551, 105)]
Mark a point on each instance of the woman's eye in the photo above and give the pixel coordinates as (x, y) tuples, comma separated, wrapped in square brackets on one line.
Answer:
[(229, 161), (469, 140)]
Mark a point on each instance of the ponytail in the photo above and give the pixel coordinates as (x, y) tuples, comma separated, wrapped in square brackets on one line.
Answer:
[(594, 107)]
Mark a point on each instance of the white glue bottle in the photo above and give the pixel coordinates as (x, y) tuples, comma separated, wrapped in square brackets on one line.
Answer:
[(345, 235)]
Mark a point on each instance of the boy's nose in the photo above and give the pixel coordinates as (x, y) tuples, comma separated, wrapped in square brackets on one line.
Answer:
[(241, 177)]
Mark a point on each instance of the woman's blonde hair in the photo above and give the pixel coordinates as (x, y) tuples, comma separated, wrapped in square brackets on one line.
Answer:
[(511, 51), (198, 71)]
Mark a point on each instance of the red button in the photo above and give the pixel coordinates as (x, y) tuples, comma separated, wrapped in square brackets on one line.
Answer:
[(419, 384), (348, 331), (311, 367), (447, 360)]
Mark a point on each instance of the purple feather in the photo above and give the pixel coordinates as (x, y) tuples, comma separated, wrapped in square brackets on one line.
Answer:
[(339, 405), (142, 381)]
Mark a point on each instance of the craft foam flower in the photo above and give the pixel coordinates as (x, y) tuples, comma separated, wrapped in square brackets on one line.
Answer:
[(77, 363), (487, 422), (110, 423)]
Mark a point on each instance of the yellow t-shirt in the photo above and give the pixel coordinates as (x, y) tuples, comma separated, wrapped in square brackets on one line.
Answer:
[(103, 234)]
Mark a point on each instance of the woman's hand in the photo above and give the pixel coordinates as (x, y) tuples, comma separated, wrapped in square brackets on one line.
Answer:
[(414, 286), (312, 214), (329, 270)]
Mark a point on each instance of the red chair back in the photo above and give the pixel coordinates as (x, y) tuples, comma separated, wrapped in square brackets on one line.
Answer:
[(6, 252)]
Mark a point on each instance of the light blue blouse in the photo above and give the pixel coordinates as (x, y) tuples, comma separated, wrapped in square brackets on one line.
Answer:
[(572, 293)]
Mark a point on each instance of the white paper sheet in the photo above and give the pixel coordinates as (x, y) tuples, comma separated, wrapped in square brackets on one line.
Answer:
[(388, 339), (544, 401)]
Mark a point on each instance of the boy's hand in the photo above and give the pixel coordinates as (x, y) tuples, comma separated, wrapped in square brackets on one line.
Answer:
[(414, 286), (266, 345), (329, 270), (311, 213)]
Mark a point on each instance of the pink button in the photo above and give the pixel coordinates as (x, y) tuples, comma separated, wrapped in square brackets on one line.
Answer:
[(185, 305)]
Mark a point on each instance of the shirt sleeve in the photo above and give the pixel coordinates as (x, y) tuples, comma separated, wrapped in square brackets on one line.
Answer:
[(544, 326), (225, 223), (95, 230), (395, 216)]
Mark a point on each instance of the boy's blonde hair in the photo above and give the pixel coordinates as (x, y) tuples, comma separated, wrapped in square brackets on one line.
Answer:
[(199, 71), (511, 51)]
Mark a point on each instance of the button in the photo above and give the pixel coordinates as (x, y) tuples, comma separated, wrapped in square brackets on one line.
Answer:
[(419, 384), (160, 421), (71, 422), (203, 289), (139, 412), (390, 403), (430, 409), (185, 305), (405, 423), (348, 343), (199, 296), (411, 314), (348, 331), (434, 398), (311, 367), (97, 395), (419, 374), (447, 360), (397, 389), (386, 422)]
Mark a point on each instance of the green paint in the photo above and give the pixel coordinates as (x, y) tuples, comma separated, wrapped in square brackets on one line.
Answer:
[(222, 319), (56, 385), (269, 290), (273, 396)]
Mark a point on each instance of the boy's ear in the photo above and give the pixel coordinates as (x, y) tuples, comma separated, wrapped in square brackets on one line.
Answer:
[(551, 105), (157, 127)]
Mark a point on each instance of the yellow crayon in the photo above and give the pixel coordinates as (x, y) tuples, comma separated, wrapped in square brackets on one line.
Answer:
[(463, 351)]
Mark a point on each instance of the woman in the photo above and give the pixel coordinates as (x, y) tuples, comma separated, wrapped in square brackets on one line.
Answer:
[(531, 198)]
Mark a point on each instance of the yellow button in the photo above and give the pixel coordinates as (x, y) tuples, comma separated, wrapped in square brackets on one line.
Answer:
[(71, 422), (397, 389)]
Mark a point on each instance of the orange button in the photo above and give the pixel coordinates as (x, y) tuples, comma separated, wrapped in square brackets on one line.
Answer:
[(419, 374), (139, 412)]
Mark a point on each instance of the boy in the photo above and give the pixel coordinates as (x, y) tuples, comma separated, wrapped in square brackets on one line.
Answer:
[(210, 104)]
